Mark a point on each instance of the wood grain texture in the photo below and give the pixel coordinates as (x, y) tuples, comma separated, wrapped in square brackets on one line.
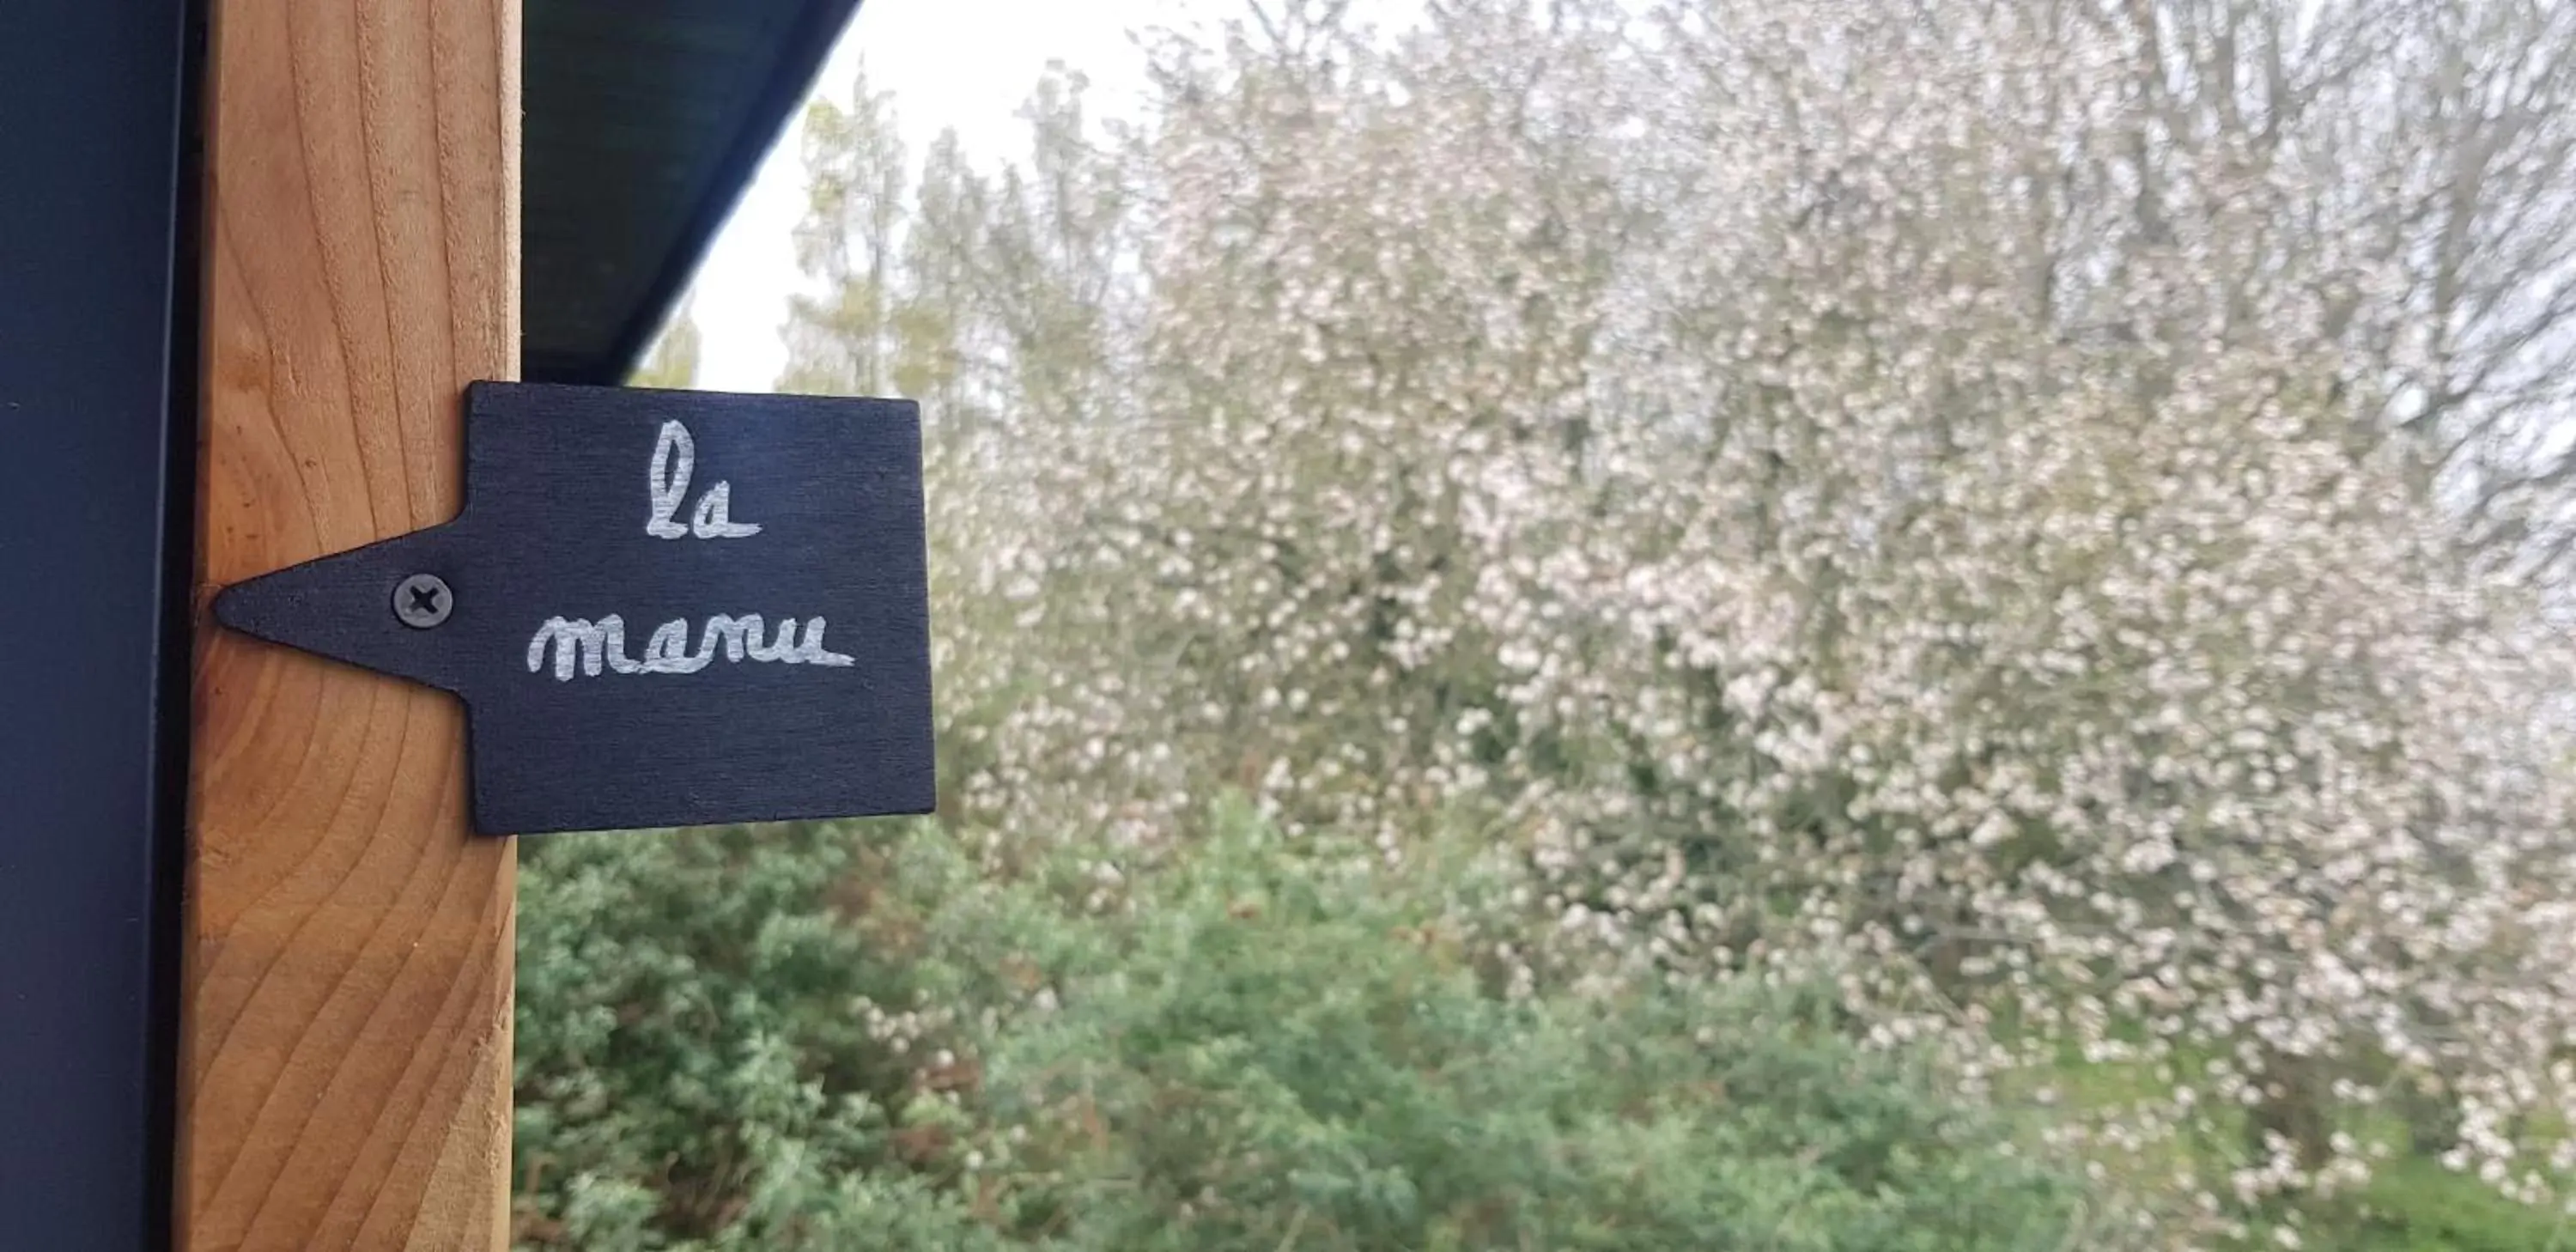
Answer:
[(347, 1021)]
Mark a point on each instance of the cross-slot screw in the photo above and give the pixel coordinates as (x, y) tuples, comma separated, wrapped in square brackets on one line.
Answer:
[(423, 601)]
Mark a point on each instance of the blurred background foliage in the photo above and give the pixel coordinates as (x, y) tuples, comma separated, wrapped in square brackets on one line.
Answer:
[(1690, 623), (801, 1039)]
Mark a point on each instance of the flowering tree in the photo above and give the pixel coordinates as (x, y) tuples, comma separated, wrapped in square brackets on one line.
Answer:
[(2046, 510)]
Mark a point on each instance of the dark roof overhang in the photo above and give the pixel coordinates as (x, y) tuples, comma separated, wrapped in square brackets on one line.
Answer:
[(645, 120)]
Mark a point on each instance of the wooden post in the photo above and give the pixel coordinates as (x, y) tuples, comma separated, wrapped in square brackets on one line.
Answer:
[(347, 1020)]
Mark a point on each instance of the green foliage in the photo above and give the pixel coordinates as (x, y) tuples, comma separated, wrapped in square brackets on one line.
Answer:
[(684, 1038), (673, 361), (1883, 511), (2417, 1206), (1301, 1059), (725, 1042)]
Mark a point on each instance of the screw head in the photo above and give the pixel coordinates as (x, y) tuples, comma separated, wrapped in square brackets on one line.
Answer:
[(423, 601)]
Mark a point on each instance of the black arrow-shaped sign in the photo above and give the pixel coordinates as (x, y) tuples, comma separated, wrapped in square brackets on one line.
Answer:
[(661, 608)]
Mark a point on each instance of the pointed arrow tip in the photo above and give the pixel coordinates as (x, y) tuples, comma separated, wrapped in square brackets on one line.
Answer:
[(341, 607), (260, 606), (230, 605)]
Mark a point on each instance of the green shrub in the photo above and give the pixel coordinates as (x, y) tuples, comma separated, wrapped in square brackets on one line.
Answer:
[(2415, 1205), (684, 1033), (804, 1039)]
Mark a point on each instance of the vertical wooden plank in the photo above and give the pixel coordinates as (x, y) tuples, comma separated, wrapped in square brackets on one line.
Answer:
[(347, 1052)]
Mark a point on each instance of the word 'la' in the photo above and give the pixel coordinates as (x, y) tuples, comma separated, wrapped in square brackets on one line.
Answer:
[(675, 454)]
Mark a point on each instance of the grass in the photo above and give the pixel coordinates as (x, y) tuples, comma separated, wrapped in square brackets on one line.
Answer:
[(2411, 1204), (2415, 1205)]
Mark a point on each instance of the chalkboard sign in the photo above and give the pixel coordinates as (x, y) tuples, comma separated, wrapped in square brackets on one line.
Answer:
[(661, 608)]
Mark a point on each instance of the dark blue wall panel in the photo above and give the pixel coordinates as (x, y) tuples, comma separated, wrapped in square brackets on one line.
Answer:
[(97, 359)]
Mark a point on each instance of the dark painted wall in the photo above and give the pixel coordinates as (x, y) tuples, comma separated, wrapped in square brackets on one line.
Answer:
[(96, 358)]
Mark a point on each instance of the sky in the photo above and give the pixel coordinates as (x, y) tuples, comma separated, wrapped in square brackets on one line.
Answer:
[(962, 63)]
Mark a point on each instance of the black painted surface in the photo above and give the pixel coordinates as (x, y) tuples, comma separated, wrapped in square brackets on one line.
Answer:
[(645, 121), (96, 413), (559, 493)]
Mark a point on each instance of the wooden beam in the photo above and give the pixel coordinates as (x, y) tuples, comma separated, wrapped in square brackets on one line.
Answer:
[(347, 1021)]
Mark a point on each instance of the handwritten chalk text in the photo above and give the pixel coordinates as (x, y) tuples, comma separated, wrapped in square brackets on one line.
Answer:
[(579, 645), (675, 456)]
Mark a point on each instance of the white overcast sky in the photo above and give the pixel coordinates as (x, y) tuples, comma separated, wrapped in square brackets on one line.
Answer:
[(962, 63), (969, 64)]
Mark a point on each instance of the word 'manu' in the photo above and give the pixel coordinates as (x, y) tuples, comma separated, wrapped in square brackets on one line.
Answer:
[(588, 647)]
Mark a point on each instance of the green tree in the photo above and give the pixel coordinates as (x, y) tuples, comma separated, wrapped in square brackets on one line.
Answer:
[(841, 339), (822, 1037), (673, 360), (2026, 514)]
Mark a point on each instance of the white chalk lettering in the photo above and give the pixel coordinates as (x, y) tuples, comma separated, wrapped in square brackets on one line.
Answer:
[(668, 651), (580, 646), (578, 642), (666, 480)]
